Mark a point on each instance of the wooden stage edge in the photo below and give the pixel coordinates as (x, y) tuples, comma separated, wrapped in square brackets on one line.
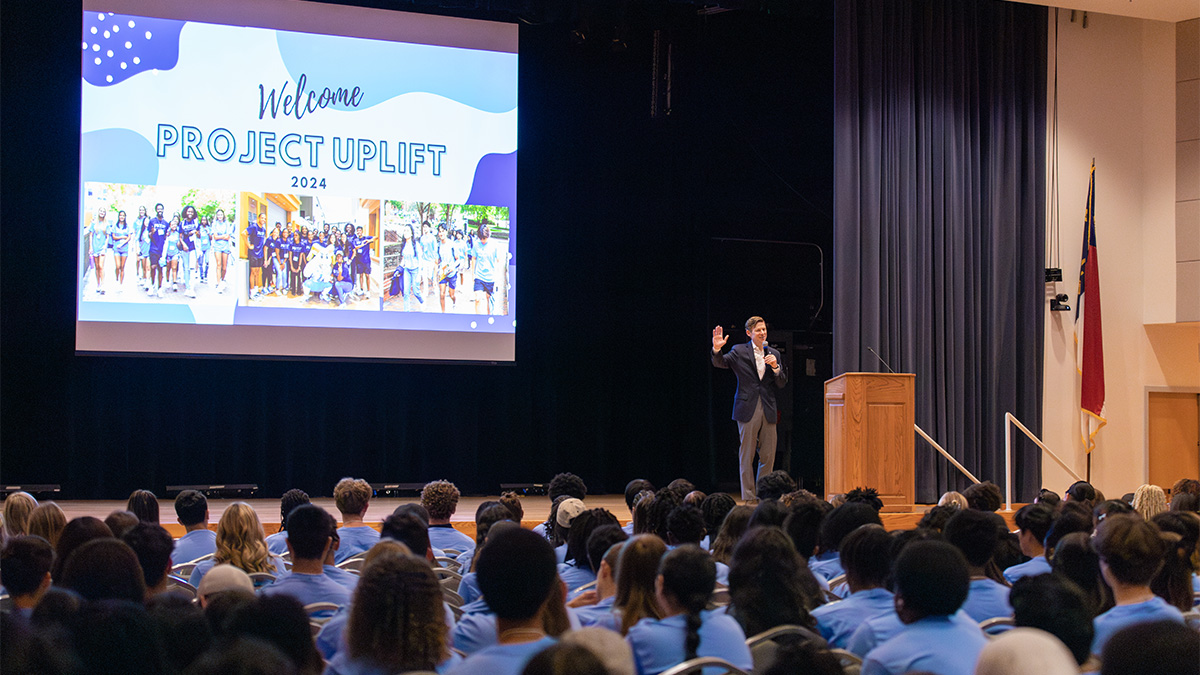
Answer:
[(537, 509)]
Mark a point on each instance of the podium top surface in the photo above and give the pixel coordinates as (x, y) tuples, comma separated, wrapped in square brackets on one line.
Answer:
[(844, 375)]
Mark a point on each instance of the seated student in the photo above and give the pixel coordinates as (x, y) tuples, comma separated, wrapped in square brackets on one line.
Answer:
[(144, 505), (637, 570), (120, 522), (415, 509), (604, 550), (440, 498), (735, 524), (223, 579), (489, 513), (714, 507), (974, 532), (1034, 521), (78, 532), (1056, 605), (277, 543), (840, 522), (344, 577), (632, 489), (774, 485), (281, 621), (577, 570), (562, 485), (685, 525), (153, 546), (352, 496), (1075, 559), (240, 543), (1131, 555), (1159, 647), (310, 537), (408, 529), (564, 514), (931, 583), (1080, 491), (105, 569), (1025, 650), (864, 555), (685, 582), (25, 571), (985, 496), (769, 584), (191, 508), (396, 621), (517, 575), (1176, 582), (47, 521), (512, 501)]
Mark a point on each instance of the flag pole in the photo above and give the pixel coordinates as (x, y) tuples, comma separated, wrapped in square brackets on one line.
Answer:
[(1088, 478)]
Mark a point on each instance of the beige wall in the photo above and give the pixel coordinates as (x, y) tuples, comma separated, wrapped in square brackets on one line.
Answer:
[(1116, 102)]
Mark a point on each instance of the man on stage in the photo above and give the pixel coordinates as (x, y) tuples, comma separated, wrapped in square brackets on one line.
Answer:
[(759, 373)]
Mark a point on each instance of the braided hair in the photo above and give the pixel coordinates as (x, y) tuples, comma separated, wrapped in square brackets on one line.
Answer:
[(688, 577)]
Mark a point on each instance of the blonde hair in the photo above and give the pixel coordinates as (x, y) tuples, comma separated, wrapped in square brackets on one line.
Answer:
[(17, 508), (47, 521), (955, 499), (351, 495), (240, 540), (1149, 501)]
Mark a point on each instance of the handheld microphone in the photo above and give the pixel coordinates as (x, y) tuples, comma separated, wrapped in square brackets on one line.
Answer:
[(885, 363)]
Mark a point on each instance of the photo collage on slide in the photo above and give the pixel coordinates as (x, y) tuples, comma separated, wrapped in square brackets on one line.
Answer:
[(171, 245)]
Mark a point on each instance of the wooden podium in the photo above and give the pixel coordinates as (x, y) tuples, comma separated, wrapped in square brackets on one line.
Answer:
[(869, 436)]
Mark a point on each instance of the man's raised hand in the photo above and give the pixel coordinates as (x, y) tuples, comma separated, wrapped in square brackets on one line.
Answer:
[(719, 338)]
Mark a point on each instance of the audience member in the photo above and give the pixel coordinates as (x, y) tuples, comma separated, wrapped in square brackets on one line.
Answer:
[(685, 581), (1131, 555), (562, 485), (1075, 559), (637, 570), (310, 539), (732, 528), (715, 507), (440, 498), (220, 579), (1109, 507), (1072, 517), (182, 628), (803, 656), (105, 569), (352, 497), (240, 543), (144, 505), (120, 522), (116, 636), (493, 520), (409, 530), (664, 502), (243, 656), (1058, 606), (803, 526), (768, 513), (633, 490), (517, 576), (937, 517), (865, 557), (681, 487), (277, 542), (512, 501), (1149, 501), (1025, 650), (281, 621), (47, 521), (774, 485), (974, 533), (1159, 647), (564, 516), (191, 509), (694, 498), (396, 622), (1081, 491), (769, 584), (954, 500), (840, 522), (17, 507), (1048, 497), (1034, 521), (612, 651), (1174, 583), (565, 659), (932, 580), (25, 571), (488, 514), (868, 496), (985, 496), (78, 532), (604, 552), (685, 525), (576, 570), (153, 546), (643, 503), (1186, 502)]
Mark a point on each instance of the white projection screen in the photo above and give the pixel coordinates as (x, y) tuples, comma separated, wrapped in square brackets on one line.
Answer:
[(274, 178)]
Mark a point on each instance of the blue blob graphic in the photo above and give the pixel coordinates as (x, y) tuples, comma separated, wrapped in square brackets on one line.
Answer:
[(154, 43), (481, 79), (118, 156), (495, 182)]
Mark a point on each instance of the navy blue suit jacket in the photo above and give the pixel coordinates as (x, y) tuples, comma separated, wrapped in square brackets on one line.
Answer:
[(751, 389)]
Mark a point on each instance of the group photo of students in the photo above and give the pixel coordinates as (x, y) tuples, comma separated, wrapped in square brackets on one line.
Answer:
[(445, 258), (788, 583), (158, 244)]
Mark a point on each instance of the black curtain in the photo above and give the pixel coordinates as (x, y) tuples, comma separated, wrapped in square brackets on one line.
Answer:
[(939, 220)]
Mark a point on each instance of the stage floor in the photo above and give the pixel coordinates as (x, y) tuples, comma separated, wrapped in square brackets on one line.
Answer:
[(537, 509)]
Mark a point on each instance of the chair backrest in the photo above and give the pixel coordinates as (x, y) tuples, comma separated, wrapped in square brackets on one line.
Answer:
[(452, 597), (580, 589), (448, 578), (353, 563), (839, 580), (996, 625), (1192, 618), (449, 563), (451, 552), (764, 647), (846, 658), (175, 583), (261, 579), (321, 612), (700, 663), (6, 603), (183, 570), (830, 596), (719, 598)]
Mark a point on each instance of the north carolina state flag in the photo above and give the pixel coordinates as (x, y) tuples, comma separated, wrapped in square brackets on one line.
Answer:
[(1089, 344)]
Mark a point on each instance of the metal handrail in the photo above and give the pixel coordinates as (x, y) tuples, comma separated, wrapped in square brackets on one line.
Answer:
[(945, 454), (1009, 420)]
